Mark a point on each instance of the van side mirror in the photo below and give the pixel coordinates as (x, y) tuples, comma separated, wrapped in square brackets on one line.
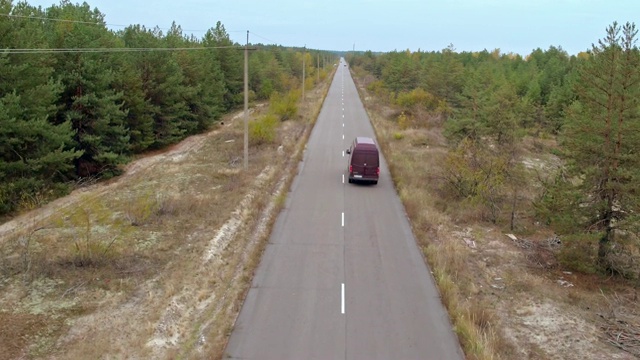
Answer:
[(348, 151)]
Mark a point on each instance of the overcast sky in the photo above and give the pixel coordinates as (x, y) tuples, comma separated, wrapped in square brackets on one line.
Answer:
[(518, 26)]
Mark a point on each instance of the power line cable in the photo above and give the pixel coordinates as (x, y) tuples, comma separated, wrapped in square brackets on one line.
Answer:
[(23, 51), (120, 25), (110, 50), (262, 37), (93, 23), (273, 42), (59, 20)]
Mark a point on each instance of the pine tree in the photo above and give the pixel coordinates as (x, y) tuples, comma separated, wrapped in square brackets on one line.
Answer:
[(35, 154), (471, 119), (401, 73), (89, 100), (602, 143), (139, 119), (443, 75), (162, 83), (202, 82), (231, 63), (485, 166), (264, 73)]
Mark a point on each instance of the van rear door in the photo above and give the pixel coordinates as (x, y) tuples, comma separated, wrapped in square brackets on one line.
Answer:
[(357, 164), (364, 164), (370, 165)]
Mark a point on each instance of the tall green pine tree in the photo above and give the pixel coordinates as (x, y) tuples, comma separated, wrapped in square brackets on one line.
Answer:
[(35, 155), (89, 100), (231, 63), (601, 143)]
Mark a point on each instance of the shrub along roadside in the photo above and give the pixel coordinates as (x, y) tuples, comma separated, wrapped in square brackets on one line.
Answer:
[(263, 130)]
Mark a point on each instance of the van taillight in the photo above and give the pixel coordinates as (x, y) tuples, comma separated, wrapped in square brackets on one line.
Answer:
[(378, 171), (350, 169)]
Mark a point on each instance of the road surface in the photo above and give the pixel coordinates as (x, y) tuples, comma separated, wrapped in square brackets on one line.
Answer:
[(342, 276)]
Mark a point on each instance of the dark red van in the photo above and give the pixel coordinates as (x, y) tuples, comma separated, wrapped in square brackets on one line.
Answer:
[(364, 160)]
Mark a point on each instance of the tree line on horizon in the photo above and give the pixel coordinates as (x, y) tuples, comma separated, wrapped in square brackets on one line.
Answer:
[(71, 115), (488, 104)]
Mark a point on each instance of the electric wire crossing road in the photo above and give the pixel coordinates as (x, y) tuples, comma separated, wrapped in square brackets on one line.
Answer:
[(342, 276)]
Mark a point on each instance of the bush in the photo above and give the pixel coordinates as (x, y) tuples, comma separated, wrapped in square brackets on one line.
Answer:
[(417, 97), (284, 107), (624, 257), (403, 121), (85, 228), (263, 130), (143, 209), (579, 252), (377, 88), (28, 193), (480, 175)]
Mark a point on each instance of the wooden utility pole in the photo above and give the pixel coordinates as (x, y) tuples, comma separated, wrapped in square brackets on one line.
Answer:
[(246, 103)]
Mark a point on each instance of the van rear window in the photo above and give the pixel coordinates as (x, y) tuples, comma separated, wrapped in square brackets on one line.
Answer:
[(360, 158)]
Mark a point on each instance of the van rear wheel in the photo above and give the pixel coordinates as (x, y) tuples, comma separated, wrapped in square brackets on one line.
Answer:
[(350, 181), (375, 182)]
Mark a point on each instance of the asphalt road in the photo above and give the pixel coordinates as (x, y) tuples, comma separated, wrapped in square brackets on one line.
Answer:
[(342, 276)]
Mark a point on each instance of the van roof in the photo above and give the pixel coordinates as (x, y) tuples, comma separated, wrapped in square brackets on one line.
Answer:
[(364, 140)]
